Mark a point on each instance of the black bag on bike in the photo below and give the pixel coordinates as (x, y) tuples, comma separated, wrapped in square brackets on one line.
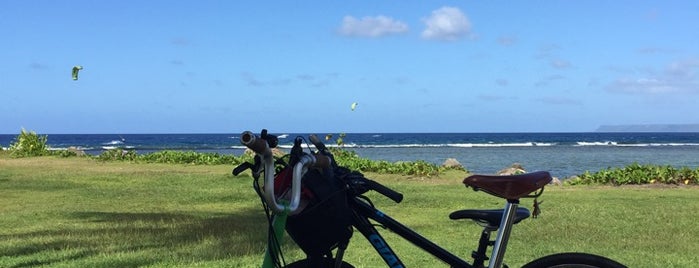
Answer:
[(325, 222)]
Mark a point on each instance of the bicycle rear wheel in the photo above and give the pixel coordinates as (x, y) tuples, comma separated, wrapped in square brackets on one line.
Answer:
[(327, 263), (573, 260)]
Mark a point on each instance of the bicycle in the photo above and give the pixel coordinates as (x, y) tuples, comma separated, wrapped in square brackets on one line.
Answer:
[(343, 209)]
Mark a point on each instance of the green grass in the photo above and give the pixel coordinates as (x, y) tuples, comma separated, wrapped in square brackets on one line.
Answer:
[(80, 212)]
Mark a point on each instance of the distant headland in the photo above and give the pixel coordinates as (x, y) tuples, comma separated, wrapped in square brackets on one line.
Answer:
[(649, 128)]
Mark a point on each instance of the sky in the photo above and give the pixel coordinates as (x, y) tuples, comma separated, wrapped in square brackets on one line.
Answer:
[(297, 66)]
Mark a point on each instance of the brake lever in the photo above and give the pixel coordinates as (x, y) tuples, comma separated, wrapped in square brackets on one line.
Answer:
[(272, 140), (254, 168), (242, 167)]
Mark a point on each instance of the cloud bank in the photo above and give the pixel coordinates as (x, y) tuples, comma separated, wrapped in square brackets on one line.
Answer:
[(677, 77), (443, 24)]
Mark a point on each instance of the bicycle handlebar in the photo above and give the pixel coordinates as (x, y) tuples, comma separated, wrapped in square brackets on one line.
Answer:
[(387, 192), (257, 145), (372, 185), (261, 148)]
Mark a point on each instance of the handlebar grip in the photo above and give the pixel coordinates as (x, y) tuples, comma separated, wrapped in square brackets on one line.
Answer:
[(318, 144), (255, 144), (391, 194)]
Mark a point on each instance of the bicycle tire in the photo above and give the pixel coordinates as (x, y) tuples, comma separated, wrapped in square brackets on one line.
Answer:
[(573, 260), (327, 263)]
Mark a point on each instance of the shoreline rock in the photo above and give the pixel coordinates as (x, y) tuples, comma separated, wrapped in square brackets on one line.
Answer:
[(514, 169), (77, 151), (452, 163)]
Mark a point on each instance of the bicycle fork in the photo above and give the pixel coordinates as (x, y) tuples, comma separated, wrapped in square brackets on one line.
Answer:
[(508, 217), (277, 230)]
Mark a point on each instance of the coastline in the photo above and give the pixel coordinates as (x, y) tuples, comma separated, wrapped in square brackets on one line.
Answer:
[(562, 154)]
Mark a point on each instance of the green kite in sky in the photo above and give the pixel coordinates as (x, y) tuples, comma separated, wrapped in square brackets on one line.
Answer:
[(76, 69)]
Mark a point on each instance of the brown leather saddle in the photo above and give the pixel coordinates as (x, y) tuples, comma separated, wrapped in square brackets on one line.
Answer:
[(511, 187)]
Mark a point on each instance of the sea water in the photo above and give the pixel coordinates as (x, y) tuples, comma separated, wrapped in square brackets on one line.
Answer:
[(563, 154)]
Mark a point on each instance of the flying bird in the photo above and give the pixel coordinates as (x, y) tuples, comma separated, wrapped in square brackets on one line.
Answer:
[(354, 106), (76, 69)]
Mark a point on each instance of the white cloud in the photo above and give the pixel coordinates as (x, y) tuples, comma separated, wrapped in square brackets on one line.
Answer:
[(656, 50), (306, 77), (502, 82), (250, 80), (677, 77), (560, 64), (38, 66), (180, 41), (371, 26), (545, 81), (446, 23), (642, 86), (547, 51), (486, 97), (683, 70), (560, 101), (507, 40)]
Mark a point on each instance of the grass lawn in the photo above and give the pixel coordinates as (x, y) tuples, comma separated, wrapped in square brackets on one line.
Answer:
[(76, 212)]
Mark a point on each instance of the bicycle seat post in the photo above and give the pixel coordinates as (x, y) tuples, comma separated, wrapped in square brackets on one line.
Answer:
[(508, 217), (511, 188)]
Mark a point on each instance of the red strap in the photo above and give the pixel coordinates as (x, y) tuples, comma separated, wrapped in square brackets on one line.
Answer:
[(282, 182)]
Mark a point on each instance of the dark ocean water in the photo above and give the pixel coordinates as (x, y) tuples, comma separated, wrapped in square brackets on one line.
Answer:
[(563, 154)]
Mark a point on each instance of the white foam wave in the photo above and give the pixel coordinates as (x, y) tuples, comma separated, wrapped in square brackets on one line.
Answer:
[(679, 144), (657, 144), (116, 147), (597, 143), (114, 142), (67, 148), (288, 146), (516, 144), (421, 145), (612, 143), (489, 145)]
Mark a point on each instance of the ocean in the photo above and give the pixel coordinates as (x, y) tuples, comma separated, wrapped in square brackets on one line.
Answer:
[(562, 154)]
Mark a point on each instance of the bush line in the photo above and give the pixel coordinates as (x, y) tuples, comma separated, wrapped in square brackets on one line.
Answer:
[(28, 144), (636, 173)]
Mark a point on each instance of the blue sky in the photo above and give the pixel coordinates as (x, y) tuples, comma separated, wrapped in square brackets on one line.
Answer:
[(290, 66)]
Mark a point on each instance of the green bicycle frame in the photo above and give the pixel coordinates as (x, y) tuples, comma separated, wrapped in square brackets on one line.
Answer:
[(278, 224)]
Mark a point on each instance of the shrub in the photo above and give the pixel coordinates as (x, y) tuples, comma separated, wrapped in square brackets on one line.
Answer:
[(66, 153), (190, 157), (351, 160), (174, 157), (27, 144), (117, 154), (639, 174)]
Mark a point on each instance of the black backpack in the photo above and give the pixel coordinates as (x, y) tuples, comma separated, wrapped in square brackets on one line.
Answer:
[(325, 221)]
